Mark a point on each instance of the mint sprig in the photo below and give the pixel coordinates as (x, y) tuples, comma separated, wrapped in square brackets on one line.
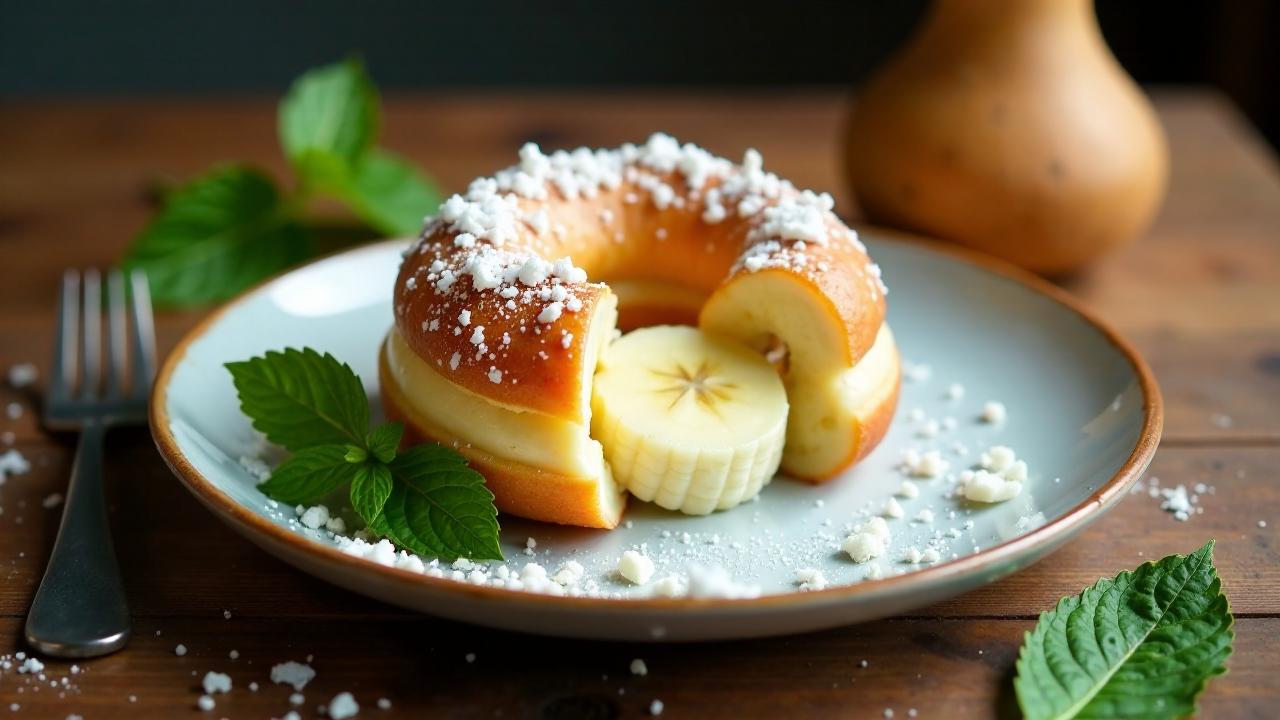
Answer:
[(386, 191), (227, 229), (300, 398), (1141, 644), (439, 502), (370, 488), (329, 115), (310, 475), (384, 440), (425, 499)]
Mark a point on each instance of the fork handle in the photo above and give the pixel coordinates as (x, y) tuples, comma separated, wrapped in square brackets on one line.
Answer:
[(80, 609)]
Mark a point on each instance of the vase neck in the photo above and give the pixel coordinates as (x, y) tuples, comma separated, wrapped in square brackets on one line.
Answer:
[(988, 15)]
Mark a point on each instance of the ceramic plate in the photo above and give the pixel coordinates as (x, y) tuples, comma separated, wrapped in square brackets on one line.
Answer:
[(1083, 412)]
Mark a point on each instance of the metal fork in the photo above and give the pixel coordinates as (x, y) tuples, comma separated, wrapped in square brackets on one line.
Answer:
[(80, 609)]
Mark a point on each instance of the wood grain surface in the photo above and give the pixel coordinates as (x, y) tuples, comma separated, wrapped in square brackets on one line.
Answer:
[(1199, 295)]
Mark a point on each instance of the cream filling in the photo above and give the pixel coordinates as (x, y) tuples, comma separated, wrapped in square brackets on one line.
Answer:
[(510, 432), (863, 387), (824, 407), (791, 322)]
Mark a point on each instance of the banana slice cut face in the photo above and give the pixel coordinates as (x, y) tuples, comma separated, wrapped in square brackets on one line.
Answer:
[(691, 421)]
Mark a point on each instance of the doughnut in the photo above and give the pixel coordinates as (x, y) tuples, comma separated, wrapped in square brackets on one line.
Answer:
[(506, 303)]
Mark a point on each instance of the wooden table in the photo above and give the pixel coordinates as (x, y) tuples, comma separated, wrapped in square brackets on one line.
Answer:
[(1200, 296)]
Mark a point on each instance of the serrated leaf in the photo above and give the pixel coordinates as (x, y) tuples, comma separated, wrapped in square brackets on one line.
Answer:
[(385, 440), (329, 112), (1142, 644), (308, 476), (369, 489), (216, 236), (388, 193), (300, 398), (439, 506)]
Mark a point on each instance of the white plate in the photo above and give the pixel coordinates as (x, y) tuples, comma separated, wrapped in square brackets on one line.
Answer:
[(1084, 412)]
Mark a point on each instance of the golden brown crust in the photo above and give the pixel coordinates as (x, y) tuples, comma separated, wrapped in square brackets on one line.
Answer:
[(612, 239), (518, 489), (547, 374), (853, 290), (677, 220), (538, 371)]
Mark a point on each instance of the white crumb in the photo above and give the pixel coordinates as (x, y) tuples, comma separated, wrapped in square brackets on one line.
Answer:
[(342, 706), (22, 375), (216, 682), (635, 567), (993, 412), (292, 673)]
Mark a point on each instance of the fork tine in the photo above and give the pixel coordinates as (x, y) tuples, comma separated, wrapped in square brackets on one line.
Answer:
[(144, 333), (91, 334), (65, 344), (117, 353)]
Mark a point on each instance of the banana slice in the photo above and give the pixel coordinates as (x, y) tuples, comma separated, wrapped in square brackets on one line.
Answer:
[(691, 421)]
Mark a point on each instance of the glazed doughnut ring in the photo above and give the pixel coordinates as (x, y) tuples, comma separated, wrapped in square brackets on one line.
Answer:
[(509, 300)]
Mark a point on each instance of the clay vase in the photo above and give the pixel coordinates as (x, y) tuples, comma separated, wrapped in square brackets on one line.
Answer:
[(1008, 126)]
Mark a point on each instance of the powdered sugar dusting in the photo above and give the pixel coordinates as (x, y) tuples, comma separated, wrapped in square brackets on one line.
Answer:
[(484, 248)]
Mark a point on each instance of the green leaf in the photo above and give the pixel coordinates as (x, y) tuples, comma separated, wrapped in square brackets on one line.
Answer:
[(216, 236), (311, 474), (440, 507), (370, 489), (356, 454), (385, 440), (300, 398), (379, 526), (1142, 644), (388, 193), (330, 113)]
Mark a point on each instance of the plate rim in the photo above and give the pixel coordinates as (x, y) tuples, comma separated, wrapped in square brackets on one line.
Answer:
[(1007, 552)]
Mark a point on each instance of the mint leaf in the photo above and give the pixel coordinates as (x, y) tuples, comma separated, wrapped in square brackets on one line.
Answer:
[(388, 193), (216, 236), (311, 474), (426, 499), (330, 113), (378, 525), (300, 398), (1142, 644), (385, 440), (369, 489), (440, 507)]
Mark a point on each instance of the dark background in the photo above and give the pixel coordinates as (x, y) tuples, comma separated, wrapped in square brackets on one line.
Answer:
[(92, 48)]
